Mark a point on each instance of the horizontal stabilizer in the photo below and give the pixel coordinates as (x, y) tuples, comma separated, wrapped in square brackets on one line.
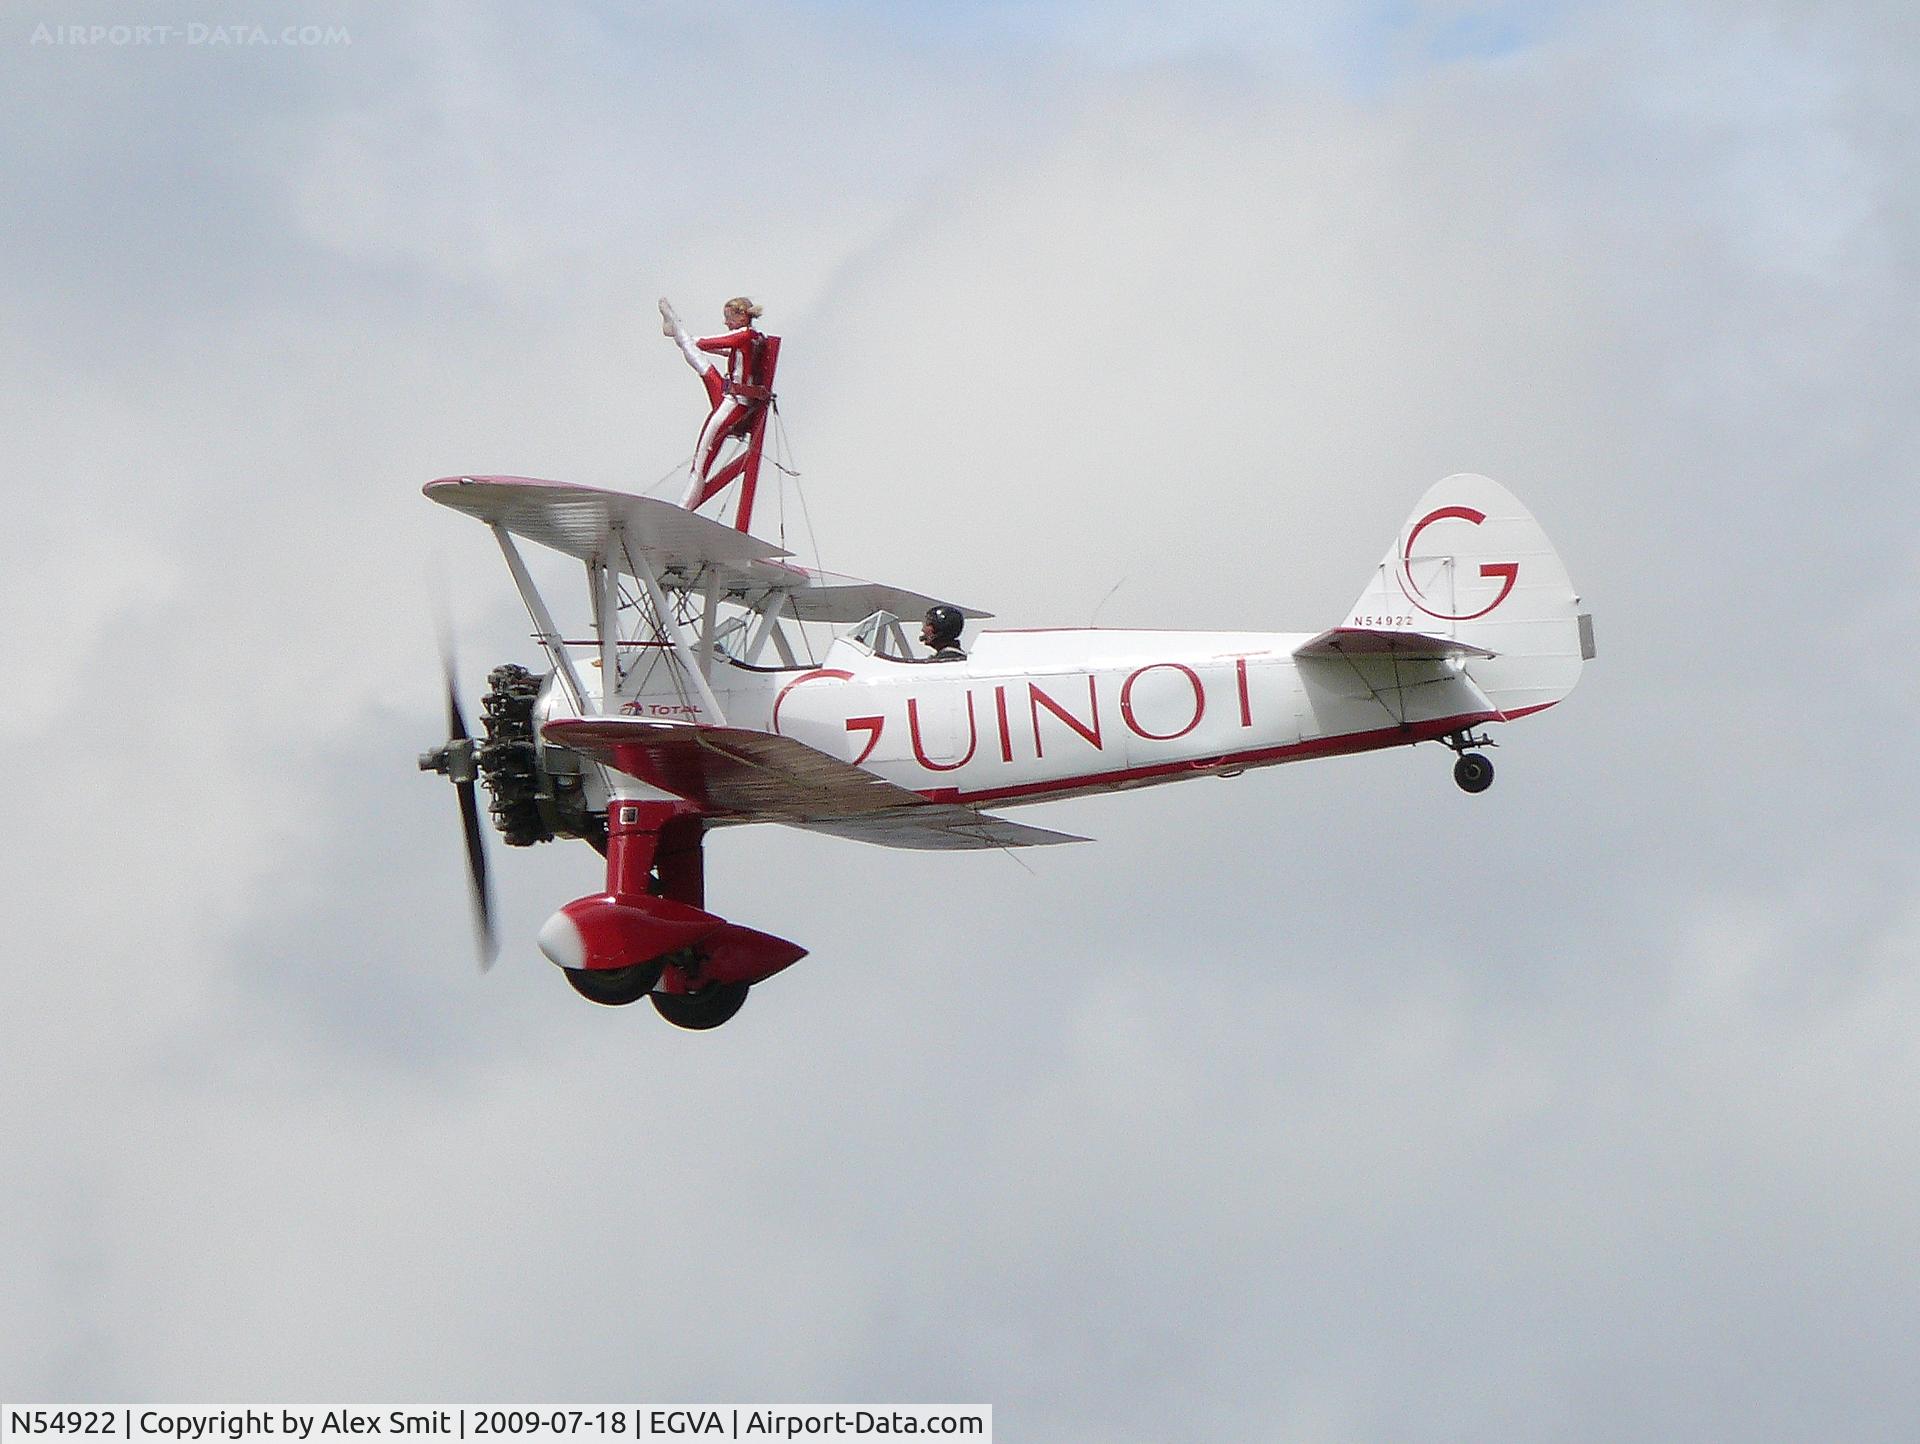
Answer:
[(1369, 642), (759, 777)]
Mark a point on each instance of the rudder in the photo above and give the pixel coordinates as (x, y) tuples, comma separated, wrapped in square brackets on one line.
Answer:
[(1472, 565)]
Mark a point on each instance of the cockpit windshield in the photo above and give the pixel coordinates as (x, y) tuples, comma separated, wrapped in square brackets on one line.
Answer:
[(883, 636)]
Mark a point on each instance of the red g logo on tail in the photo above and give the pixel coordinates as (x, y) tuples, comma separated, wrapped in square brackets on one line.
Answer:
[(1507, 572)]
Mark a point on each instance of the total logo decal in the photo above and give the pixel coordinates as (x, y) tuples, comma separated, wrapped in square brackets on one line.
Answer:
[(1507, 573)]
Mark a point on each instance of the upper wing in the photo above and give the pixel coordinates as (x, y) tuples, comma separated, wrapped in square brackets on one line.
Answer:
[(741, 773), (830, 597), (682, 548), (582, 521)]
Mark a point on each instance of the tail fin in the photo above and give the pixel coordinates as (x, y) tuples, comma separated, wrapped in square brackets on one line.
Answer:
[(1472, 566)]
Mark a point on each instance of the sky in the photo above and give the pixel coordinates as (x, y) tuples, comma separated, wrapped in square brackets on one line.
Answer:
[(1325, 1103)]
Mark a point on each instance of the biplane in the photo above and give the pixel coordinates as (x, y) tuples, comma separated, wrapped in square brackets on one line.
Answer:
[(718, 682)]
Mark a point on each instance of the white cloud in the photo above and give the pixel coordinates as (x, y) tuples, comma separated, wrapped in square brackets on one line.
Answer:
[(1323, 1101)]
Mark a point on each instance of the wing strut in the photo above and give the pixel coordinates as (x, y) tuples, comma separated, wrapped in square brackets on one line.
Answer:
[(776, 603), (544, 630), (686, 653), (604, 584)]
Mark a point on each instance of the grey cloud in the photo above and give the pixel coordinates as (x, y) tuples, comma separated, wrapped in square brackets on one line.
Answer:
[(1324, 1102)]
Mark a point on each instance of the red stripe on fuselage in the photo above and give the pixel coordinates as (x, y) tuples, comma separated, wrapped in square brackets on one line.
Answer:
[(1350, 742)]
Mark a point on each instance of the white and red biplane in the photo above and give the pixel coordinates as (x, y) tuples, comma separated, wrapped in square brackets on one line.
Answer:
[(700, 701)]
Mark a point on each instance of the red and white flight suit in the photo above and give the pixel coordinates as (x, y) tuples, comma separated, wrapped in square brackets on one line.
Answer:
[(735, 397)]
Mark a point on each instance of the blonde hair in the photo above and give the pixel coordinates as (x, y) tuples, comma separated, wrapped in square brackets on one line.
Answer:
[(741, 303)]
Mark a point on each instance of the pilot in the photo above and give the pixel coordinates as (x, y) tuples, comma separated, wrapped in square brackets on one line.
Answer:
[(941, 632)]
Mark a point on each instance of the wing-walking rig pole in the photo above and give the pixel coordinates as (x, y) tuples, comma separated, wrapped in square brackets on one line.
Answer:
[(760, 402)]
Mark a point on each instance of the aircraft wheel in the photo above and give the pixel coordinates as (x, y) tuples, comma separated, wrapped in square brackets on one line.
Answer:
[(708, 1008), (1473, 772), (614, 987)]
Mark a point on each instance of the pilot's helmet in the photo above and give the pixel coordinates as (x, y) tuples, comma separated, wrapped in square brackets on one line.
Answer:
[(944, 624)]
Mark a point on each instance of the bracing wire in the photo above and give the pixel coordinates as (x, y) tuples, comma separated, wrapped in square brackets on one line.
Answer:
[(783, 447), (662, 626), (679, 469), (654, 656), (784, 475), (1015, 857)]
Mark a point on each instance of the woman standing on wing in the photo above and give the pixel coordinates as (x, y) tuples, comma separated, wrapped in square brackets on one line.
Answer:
[(734, 397)]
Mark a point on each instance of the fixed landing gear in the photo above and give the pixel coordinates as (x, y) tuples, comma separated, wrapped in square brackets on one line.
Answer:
[(700, 1010), (650, 932), (708, 1008), (614, 987), (1473, 771)]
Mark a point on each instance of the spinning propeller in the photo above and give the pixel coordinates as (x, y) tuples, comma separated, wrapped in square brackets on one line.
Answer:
[(458, 762)]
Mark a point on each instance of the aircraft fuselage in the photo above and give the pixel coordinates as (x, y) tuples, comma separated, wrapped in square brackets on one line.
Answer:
[(1030, 716)]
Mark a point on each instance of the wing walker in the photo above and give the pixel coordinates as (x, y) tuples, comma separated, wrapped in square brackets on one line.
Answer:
[(716, 681)]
